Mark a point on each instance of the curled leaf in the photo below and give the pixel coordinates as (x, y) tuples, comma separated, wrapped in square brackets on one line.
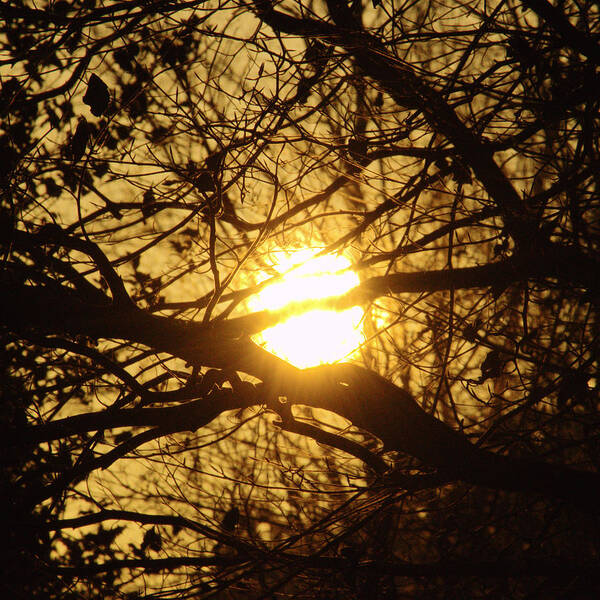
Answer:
[(492, 366), (152, 540), (97, 96), (80, 140), (231, 519), (148, 201), (214, 162), (357, 148)]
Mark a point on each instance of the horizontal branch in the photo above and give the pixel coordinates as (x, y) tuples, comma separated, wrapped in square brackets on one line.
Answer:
[(184, 417), (499, 275), (148, 519), (151, 565), (59, 310), (552, 568)]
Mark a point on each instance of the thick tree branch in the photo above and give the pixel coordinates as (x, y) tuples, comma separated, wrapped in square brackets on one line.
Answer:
[(367, 400), (376, 405), (557, 568), (185, 417)]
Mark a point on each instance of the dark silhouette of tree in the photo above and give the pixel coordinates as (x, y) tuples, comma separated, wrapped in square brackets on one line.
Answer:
[(154, 155)]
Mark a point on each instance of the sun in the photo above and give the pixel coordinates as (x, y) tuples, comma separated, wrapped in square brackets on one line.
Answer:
[(318, 336)]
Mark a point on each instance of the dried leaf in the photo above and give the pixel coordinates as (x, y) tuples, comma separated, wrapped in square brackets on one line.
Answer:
[(97, 96), (80, 140), (231, 519)]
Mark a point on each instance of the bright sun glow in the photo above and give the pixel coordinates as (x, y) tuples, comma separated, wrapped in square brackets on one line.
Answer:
[(318, 336)]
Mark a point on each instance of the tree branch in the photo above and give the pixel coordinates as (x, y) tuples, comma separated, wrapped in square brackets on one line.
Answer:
[(367, 400)]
